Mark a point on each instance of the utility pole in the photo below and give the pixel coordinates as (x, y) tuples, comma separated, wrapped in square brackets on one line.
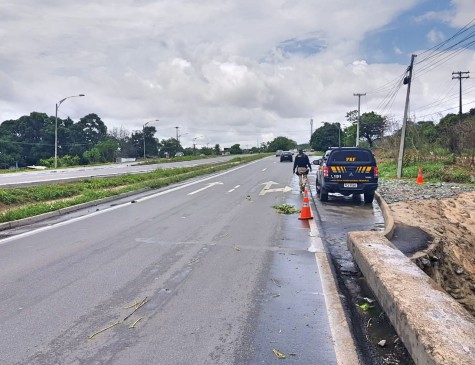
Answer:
[(177, 134), (339, 135), (359, 118), (460, 77), (311, 131), (408, 81)]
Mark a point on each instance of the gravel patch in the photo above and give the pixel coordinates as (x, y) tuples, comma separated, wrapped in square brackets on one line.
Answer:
[(394, 191)]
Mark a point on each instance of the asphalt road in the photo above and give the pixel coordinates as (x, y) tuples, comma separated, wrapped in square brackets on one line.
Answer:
[(35, 177), (222, 277)]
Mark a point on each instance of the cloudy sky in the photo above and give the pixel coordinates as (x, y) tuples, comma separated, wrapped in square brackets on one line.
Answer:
[(233, 71)]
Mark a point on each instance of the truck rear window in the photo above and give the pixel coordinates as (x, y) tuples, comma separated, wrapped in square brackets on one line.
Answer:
[(363, 157)]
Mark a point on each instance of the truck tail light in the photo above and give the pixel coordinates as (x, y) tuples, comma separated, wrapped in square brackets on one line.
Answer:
[(325, 171), (376, 172)]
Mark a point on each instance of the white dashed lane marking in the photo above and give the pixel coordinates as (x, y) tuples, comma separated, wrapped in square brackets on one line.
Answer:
[(236, 187)]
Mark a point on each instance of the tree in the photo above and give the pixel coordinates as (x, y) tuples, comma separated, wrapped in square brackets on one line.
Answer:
[(352, 116), (349, 136), (450, 136), (235, 149), (372, 127), (325, 136), (170, 146), (92, 156), (468, 134), (151, 144), (93, 128), (207, 151), (217, 149), (9, 152), (281, 143), (108, 149)]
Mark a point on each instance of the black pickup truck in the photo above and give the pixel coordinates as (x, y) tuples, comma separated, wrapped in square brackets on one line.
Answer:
[(348, 171)]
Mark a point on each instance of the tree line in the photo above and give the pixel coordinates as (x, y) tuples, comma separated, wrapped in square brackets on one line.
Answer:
[(30, 140), (451, 137)]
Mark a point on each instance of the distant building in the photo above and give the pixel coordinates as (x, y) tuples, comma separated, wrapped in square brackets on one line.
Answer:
[(125, 159)]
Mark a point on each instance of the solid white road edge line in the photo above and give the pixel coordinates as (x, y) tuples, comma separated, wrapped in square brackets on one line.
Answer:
[(345, 349)]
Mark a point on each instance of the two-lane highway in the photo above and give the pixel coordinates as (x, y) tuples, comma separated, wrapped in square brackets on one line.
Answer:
[(201, 273), (36, 177)]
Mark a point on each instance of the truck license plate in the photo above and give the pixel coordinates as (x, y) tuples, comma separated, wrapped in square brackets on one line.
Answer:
[(350, 185)]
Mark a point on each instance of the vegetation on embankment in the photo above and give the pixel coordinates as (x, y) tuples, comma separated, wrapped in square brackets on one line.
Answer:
[(26, 202), (432, 171)]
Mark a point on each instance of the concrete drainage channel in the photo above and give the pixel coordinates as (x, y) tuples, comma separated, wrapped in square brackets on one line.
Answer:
[(433, 326)]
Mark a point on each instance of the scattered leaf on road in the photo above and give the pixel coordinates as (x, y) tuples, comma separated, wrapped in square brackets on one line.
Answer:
[(279, 354), (102, 330), (137, 321)]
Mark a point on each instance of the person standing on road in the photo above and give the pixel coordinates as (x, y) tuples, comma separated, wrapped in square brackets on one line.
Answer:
[(302, 167), (302, 163)]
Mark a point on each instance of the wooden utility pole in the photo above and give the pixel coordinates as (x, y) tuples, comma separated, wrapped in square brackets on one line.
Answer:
[(407, 80), (359, 119)]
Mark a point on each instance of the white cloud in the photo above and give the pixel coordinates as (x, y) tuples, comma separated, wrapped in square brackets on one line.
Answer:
[(464, 12), (232, 71), (435, 36)]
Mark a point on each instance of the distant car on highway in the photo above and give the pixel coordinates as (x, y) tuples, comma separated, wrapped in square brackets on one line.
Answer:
[(286, 156), (278, 153)]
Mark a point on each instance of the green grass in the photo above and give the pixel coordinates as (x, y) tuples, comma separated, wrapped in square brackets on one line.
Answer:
[(35, 200), (433, 171)]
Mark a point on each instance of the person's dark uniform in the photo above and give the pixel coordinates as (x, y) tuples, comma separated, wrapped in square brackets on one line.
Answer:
[(301, 160)]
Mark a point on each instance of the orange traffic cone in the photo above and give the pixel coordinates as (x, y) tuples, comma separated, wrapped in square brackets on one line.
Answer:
[(305, 213), (305, 196), (420, 179)]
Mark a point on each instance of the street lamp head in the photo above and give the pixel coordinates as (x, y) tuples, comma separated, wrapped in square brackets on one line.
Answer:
[(81, 95)]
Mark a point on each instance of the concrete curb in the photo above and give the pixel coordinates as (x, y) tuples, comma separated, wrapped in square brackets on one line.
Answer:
[(434, 327), (388, 217)]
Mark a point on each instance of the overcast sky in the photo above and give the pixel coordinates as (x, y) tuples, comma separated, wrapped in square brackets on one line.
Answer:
[(231, 71)]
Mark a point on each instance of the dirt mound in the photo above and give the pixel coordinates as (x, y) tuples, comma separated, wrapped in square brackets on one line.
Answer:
[(450, 258)]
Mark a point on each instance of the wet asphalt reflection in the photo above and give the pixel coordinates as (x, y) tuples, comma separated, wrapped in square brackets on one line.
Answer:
[(369, 324)]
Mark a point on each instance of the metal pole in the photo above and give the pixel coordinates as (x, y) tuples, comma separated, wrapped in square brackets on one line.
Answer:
[(311, 129), (56, 128), (339, 138), (359, 119), (407, 80), (143, 132), (56, 138)]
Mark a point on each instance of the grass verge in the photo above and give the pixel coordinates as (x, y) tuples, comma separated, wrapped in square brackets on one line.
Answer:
[(433, 171)]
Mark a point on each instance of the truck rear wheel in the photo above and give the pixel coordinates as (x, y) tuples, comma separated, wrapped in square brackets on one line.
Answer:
[(322, 195), (368, 197)]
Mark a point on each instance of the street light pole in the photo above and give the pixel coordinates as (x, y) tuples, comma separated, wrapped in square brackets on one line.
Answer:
[(143, 132), (56, 128), (194, 145)]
